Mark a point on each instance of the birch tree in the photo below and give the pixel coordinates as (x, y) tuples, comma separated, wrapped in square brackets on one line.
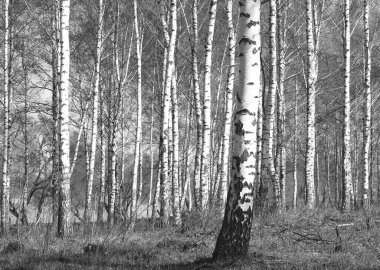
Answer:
[(229, 105), (234, 236), (197, 103), (206, 143), (347, 176), (310, 104), (95, 112), (368, 101), (268, 167), (139, 115), (64, 199), (5, 187), (166, 110)]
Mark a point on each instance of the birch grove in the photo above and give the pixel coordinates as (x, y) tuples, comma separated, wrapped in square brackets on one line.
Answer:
[(176, 120)]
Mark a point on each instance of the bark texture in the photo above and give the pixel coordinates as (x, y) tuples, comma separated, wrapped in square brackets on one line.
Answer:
[(233, 239)]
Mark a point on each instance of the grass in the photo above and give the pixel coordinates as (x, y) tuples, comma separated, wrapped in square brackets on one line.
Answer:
[(299, 239)]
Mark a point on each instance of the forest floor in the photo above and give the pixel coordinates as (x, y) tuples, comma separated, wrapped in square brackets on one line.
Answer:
[(303, 239)]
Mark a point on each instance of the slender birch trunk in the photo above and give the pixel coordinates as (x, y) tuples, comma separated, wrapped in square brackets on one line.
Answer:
[(229, 105), (233, 239), (347, 176), (175, 143), (103, 150), (24, 203), (206, 143), (281, 162), (64, 199), (165, 116), (197, 105), (6, 144), (94, 134), (368, 101), (151, 153), (56, 60), (295, 161), (139, 115), (310, 111)]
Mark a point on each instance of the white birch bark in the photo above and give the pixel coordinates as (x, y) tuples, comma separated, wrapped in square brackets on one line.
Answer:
[(206, 143), (165, 117), (139, 115), (310, 111), (197, 104), (347, 176), (229, 105), (367, 112), (64, 199), (233, 239), (175, 143), (95, 112), (5, 187), (295, 161)]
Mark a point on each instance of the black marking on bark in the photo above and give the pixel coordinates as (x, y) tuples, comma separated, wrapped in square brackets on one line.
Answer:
[(244, 112), (247, 39), (239, 128), (244, 157), (250, 83), (243, 14), (247, 141), (254, 51), (252, 23), (238, 97)]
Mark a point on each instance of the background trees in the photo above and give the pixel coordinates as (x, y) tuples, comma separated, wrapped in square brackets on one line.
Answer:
[(86, 144)]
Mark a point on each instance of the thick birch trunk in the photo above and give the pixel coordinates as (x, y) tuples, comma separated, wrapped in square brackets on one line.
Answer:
[(229, 105), (64, 199), (347, 176), (310, 111), (367, 112), (206, 143), (94, 134), (233, 239)]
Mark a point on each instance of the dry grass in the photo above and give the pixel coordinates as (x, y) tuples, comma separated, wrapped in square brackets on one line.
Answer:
[(295, 240)]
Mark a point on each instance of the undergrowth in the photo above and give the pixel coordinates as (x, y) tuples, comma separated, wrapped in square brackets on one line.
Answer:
[(301, 239)]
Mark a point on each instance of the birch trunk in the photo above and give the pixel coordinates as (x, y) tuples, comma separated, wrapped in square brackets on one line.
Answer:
[(64, 200), (229, 105), (233, 239), (206, 143), (5, 197), (347, 176), (295, 162), (24, 203), (94, 134), (103, 150), (197, 104), (175, 142), (310, 111), (165, 116), (139, 115), (368, 101), (55, 112), (281, 38)]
